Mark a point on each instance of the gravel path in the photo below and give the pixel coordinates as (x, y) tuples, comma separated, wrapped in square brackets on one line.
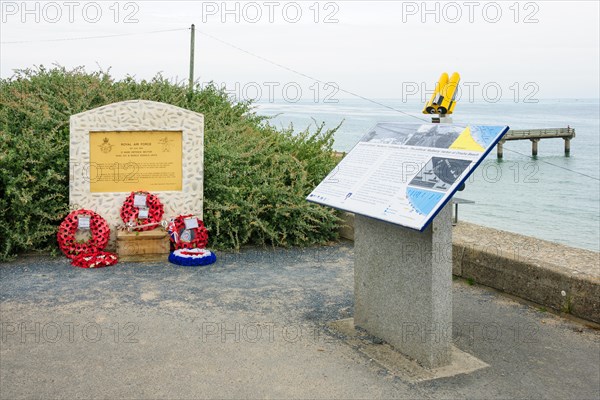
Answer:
[(252, 326)]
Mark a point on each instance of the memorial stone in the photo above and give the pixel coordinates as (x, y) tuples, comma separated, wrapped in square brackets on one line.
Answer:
[(136, 145)]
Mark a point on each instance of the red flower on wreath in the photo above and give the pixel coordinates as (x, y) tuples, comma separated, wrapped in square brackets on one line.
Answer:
[(199, 234), (67, 242), (130, 213)]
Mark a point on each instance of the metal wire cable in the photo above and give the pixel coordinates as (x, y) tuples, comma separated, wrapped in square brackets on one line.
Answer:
[(362, 97), (306, 75), (277, 65), (93, 37)]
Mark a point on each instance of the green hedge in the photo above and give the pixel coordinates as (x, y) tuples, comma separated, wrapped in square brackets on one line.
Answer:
[(256, 177)]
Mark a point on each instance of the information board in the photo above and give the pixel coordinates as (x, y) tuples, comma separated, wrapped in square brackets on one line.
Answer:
[(405, 173), (135, 160)]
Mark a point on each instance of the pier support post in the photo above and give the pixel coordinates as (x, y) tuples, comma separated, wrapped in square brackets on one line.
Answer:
[(499, 149), (534, 147), (567, 146)]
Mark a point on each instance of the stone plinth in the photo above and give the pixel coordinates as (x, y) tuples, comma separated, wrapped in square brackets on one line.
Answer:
[(403, 286)]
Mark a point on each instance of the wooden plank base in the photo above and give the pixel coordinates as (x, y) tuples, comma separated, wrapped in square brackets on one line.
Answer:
[(143, 246)]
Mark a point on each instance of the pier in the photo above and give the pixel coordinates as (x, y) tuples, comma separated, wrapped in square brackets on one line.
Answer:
[(535, 135)]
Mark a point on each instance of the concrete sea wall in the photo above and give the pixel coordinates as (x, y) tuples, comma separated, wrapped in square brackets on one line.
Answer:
[(563, 278)]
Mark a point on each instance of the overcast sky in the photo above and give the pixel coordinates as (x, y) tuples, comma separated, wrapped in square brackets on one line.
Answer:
[(377, 49)]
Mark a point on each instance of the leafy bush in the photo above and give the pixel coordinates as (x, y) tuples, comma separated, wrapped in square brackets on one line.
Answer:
[(256, 177)]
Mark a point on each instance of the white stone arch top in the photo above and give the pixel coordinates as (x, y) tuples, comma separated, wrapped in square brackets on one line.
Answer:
[(137, 115)]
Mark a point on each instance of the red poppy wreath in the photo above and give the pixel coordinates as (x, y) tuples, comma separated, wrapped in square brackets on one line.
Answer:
[(70, 245), (148, 204)]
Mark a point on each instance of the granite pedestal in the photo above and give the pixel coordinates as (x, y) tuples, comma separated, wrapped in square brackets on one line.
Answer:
[(403, 286)]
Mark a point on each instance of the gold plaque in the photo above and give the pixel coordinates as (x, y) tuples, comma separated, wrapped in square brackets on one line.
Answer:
[(135, 160)]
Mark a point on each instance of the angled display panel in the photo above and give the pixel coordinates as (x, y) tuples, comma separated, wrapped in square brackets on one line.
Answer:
[(405, 173)]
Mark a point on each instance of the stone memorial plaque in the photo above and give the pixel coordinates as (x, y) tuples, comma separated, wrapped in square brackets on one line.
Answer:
[(126, 161)]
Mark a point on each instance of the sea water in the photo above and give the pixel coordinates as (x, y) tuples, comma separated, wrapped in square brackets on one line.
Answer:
[(550, 196)]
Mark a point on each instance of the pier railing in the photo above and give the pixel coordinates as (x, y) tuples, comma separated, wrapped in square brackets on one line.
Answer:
[(535, 135)]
